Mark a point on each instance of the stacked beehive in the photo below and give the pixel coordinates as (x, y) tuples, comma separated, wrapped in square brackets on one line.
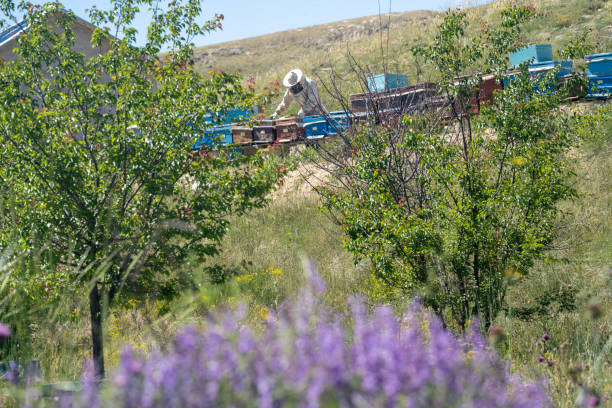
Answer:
[(600, 75), (283, 130), (540, 59), (390, 97)]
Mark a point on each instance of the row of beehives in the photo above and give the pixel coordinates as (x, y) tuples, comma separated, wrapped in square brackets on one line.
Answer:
[(389, 97), (391, 93), (284, 130)]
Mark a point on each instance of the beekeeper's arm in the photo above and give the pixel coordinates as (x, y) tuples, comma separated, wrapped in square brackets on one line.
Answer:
[(287, 99)]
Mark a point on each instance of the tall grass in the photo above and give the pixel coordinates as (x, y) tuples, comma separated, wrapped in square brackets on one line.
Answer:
[(580, 345), (290, 231)]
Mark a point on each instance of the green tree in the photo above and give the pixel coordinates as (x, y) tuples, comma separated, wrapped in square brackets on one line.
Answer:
[(447, 204), (96, 161)]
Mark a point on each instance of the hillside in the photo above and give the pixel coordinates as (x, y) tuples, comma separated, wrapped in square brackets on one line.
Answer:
[(321, 48), (260, 56)]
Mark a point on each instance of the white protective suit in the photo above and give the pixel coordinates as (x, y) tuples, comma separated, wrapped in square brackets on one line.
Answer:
[(308, 98)]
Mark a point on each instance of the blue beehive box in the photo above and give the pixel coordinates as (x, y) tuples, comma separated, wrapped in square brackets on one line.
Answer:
[(316, 130), (600, 87), (538, 68), (236, 114), (223, 134), (204, 140), (534, 53), (599, 64), (313, 118), (385, 82), (218, 134), (197, 145), (338, 122)]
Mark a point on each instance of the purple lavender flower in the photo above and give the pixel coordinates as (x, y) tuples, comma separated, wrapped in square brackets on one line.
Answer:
[(90, 390), (545, 337), (541, 358), (308, 356), (12, 374), (5, 331), (593, 401)]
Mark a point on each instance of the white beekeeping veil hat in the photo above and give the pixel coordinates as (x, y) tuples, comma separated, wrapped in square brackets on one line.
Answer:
[(293, 78)]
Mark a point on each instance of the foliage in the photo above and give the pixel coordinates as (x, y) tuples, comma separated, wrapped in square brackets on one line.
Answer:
[(447, 204), (96, 151), (308, 357)]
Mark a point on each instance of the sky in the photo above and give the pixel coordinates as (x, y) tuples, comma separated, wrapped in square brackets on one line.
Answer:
[(250, 18)]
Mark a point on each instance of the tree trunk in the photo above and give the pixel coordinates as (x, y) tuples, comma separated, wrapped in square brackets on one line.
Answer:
[(95, 311)]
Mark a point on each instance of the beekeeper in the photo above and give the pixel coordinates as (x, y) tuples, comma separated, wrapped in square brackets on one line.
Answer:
[(304, 91)]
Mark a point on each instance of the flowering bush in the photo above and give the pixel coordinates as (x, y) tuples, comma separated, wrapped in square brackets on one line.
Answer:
[(307, 357)]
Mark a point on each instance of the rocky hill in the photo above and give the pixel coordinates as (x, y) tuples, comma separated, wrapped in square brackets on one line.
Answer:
[(302, 40)]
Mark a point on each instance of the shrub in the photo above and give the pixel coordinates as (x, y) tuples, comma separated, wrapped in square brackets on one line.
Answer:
[(449, 197)]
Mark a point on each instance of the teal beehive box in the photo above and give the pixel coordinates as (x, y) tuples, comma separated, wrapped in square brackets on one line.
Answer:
[(535, 54), (599, 64), (385, 82)]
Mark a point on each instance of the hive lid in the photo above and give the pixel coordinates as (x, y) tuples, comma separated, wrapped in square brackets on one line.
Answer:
[(603, 56)]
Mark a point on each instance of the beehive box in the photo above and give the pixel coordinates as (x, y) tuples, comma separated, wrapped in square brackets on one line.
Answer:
[(390, 117), (359, 117), (287, 119), (289, 132), (534, 53), (203, 140), (223, 134), (242, 134), (264, 134), (537, 72), (338, 122), (315, 130), (599, 64), (566, 68), (407, 99), (313, 118), (481, 95), (361, 103), (487, 88), (385, 82), (197, 144), (237, 115), (574, 89), (600, 87)]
